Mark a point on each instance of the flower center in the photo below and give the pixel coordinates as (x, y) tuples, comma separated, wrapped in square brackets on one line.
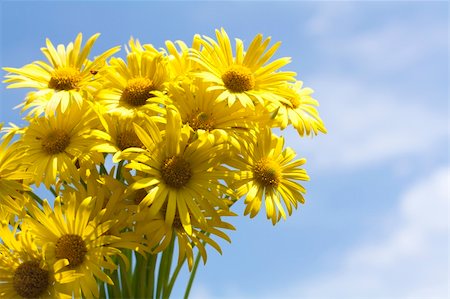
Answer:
[(266, 173), (201, 121), (139, 196), (65, 78), (30, 280), (128, 138), (177, 224), (71, 247), (137, 91), (56, 142), (238, 78), (176, 172)]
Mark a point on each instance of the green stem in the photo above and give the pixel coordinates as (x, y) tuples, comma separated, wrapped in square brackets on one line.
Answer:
[(151, 276), (103, 169), (124, 279), (53, 192), (142, 278), (168, 269), (136, 273), (164, 267), (36, 197), (192, 276), (113, 290), (102, 289), (174, 277), (119, 171)]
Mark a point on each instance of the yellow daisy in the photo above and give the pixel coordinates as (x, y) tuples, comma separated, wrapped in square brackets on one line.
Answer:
[(199, 110), (300, 111), (57, 144), (70, 78), (118, 134), (180, 63), (75, 242), (133, 89), (246, 77), (110, 200), (24, 271), (159, 233), (269, 173), (12, 174), (178, 173)]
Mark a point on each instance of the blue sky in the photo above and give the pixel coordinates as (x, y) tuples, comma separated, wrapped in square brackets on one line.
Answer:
[(375, 224)]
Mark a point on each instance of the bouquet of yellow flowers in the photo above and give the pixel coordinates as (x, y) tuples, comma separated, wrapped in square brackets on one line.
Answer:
[(144, 157)]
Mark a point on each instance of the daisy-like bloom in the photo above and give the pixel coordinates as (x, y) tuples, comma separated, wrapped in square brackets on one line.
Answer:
[(199, 110), (133, 89), (24, 271), (12, 174), (180, 64), (247, 77), (110, 200), (75, 242), (68, 79), (269, 173), (300, 111), (55, 143), (119, 134), (180, 175), (159, 233)]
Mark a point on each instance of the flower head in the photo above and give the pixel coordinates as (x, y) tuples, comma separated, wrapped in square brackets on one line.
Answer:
[(66, 80), (245, 77)]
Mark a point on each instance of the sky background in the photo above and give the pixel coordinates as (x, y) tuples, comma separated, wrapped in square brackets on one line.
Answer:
[(375, 223)]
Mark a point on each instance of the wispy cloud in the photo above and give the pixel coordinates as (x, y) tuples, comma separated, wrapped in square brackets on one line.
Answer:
[(408, 258), (374, 102), (369, 125), (409, 261)]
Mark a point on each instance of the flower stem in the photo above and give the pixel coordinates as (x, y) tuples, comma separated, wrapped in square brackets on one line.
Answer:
[(192, 276), (174, 277)]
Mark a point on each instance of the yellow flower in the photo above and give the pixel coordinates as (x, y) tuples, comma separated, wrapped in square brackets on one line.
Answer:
[(180, 175), (69, 79), (56, 143), (180, 64), (12, 175), (75, 242), (133, 89), (300, 111), (118, 134), (199, 110), (159, 234), (247, 77), (111, 202), (270, 174), (24, 271)]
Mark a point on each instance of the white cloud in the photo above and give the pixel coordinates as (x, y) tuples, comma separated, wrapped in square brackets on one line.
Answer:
[(367, 126), (394, 44), (371, 119), (410, 260)]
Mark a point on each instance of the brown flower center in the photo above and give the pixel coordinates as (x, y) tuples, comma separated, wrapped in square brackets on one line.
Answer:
[(56, 142), (30, 280), (139, 196), (71, 247), (65, 78), (137, 91), (238, 78), (201, 121), (266, 173), (128, 138), (176, 172)]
